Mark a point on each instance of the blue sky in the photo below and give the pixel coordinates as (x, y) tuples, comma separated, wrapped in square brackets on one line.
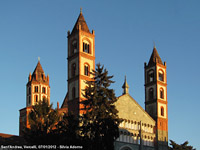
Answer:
[(125, 32)]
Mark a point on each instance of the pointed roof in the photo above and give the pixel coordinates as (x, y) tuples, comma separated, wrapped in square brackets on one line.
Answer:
[(125, 86), (38, 69), (81, 21), (65, 104), (155, 57), (39, 72)]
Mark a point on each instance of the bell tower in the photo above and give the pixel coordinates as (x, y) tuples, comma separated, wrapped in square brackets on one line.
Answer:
[(37, 88), (156, 97), (81, 61)]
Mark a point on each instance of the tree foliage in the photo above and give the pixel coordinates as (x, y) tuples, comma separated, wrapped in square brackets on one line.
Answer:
[(48, 127), (67, 130), (42, 120), (96, 129), (100, 121), (184, 146)]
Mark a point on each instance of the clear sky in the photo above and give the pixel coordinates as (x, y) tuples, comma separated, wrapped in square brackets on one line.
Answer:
[(125, 32)]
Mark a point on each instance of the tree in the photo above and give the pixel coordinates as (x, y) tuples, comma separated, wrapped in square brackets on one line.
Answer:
[(184, 146), (67, 130), (42, 120), (100, 121)]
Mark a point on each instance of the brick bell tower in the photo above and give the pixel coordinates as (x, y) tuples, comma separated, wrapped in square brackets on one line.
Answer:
[(37, 89), (156, 97), (81, 61)]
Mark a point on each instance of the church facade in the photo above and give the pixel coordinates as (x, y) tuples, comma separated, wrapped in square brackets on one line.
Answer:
[(141, 129), (145, 129)]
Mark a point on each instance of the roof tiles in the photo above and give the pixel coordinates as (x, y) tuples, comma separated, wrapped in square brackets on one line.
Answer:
[(80, 21), (155, 58)]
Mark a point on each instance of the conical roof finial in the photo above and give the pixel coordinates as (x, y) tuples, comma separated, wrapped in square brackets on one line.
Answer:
[(154, 44), (81, 10), (125, 87)]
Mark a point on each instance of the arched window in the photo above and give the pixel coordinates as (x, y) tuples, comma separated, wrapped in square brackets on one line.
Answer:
[(150, 93), (36, 89), (73, 92), (44, 90), (161, 75), (86, 47), (73, 69), (74, 47), (36, 98), (161, 93), (86, 70), (150, 76), (162, 111)]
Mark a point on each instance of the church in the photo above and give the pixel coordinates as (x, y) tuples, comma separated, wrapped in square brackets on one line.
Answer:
[(141, 129)]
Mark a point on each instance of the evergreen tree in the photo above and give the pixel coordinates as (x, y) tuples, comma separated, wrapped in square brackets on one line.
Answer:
[(67, 130), (100, 121), (42, 120), (184, 146)]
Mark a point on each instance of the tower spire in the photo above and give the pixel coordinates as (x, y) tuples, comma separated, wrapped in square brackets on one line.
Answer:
[(80, 24), (81, 10), (125, 87), (37, 88), (79, 66), (154, 44), (155, 58), (156, 97)]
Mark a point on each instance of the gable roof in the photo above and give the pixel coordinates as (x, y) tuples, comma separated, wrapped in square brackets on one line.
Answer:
[(129, 109)]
